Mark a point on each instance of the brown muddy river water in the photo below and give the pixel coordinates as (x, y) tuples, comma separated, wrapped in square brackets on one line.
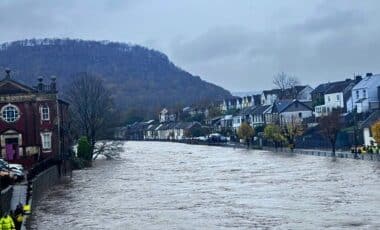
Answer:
[(177, 186)]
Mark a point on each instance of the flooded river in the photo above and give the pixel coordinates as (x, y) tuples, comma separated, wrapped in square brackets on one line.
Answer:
[(177, 186)]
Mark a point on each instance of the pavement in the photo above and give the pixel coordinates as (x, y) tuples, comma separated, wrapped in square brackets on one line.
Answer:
[(19, 195)]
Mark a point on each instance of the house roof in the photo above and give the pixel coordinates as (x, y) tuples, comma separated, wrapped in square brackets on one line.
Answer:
[(260, 109), (249, 98), (152, 127), (272, 91), (246, 110), (338, 87), (321, 88), (299, 88), (10, 86), (368, 81), (186, 125), (281, 105)]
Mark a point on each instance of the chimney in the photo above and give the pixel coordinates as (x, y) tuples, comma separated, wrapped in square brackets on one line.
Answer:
[(40, 85), (368, 74), (53, 84), (358, 78), (7, 74)]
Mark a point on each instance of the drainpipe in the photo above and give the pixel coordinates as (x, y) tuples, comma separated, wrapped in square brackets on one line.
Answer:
[(59, 129)]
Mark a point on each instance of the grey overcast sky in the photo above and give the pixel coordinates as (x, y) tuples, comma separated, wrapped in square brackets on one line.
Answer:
[(239, 45)]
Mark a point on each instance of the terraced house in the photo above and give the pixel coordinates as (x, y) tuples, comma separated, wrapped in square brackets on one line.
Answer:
[(32, 121)]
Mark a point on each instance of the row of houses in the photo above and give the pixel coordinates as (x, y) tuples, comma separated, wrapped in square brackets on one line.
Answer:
[(360, 95), (152, 130)]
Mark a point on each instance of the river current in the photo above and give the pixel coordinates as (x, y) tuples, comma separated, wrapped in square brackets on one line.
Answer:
[(177, 186)]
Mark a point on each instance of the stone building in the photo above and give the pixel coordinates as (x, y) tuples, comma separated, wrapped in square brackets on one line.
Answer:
[(33, 121)]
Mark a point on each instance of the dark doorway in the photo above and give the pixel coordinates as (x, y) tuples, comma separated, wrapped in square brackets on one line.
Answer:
[(11, 149)]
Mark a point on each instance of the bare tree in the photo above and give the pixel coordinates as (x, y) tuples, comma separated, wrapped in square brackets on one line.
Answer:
[(286, 84), (90, 106), (109, 149), (330, 125)]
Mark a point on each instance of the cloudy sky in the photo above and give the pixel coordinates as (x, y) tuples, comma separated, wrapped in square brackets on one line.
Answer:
[(239, 45)]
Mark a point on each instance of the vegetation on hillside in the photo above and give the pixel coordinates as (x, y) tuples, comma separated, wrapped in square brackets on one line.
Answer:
[(139, 78)]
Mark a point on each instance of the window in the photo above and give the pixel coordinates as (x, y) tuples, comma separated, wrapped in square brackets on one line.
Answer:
[(328, 98), (338, 97), (10, 113), (46, 140), (300, 115), (45, 116), (364, 93), (357, 94)]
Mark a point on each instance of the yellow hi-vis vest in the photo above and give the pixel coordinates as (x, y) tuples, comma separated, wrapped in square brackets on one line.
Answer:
[(26, 209), (7, 223)]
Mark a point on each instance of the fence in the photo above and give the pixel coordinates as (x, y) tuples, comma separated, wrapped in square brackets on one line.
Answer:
[(5, 199)]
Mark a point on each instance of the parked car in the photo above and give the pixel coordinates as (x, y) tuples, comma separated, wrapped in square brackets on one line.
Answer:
[(7, 165), (15, 174), (216, 137)]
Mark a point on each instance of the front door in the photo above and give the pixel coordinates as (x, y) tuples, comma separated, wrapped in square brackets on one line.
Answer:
[(11, 149)]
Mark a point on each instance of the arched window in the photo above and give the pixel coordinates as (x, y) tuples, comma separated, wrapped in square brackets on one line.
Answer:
[(45, 113), (10, 113)]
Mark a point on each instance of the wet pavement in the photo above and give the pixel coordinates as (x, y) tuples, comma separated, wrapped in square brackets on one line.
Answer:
[(177, 186)]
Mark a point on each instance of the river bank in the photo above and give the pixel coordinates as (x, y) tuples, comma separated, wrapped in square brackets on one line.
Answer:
[(38, 185), (313, 152)]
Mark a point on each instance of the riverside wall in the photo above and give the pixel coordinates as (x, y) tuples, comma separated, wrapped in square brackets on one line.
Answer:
[(5, 199), (44, 181), (326, 153), (314, 152)]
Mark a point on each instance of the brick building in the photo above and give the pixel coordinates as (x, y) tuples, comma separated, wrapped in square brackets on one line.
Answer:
[(32, 121)]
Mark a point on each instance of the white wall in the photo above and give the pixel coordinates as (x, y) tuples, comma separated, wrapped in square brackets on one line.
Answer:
[(367, 136), (334, 100)]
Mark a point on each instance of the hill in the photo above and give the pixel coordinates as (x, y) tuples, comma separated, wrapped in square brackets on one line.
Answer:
[(140, 78)]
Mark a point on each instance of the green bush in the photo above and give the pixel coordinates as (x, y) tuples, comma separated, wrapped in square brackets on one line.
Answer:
[(84, 149)]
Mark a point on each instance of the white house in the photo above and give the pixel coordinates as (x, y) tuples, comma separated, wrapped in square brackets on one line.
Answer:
[(256, 116), (365, 94), (226, 121), (239, 103), (336, 96), (182, 129), (164, 116), (304, 93), (237, 121), (268, 97), (366, 126)]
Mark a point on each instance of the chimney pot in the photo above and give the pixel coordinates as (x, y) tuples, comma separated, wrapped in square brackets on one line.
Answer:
[(53, 84), (40, 85), (7, 73)]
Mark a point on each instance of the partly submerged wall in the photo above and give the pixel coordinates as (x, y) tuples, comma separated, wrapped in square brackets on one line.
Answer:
[(5, 199), (44, 181)]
